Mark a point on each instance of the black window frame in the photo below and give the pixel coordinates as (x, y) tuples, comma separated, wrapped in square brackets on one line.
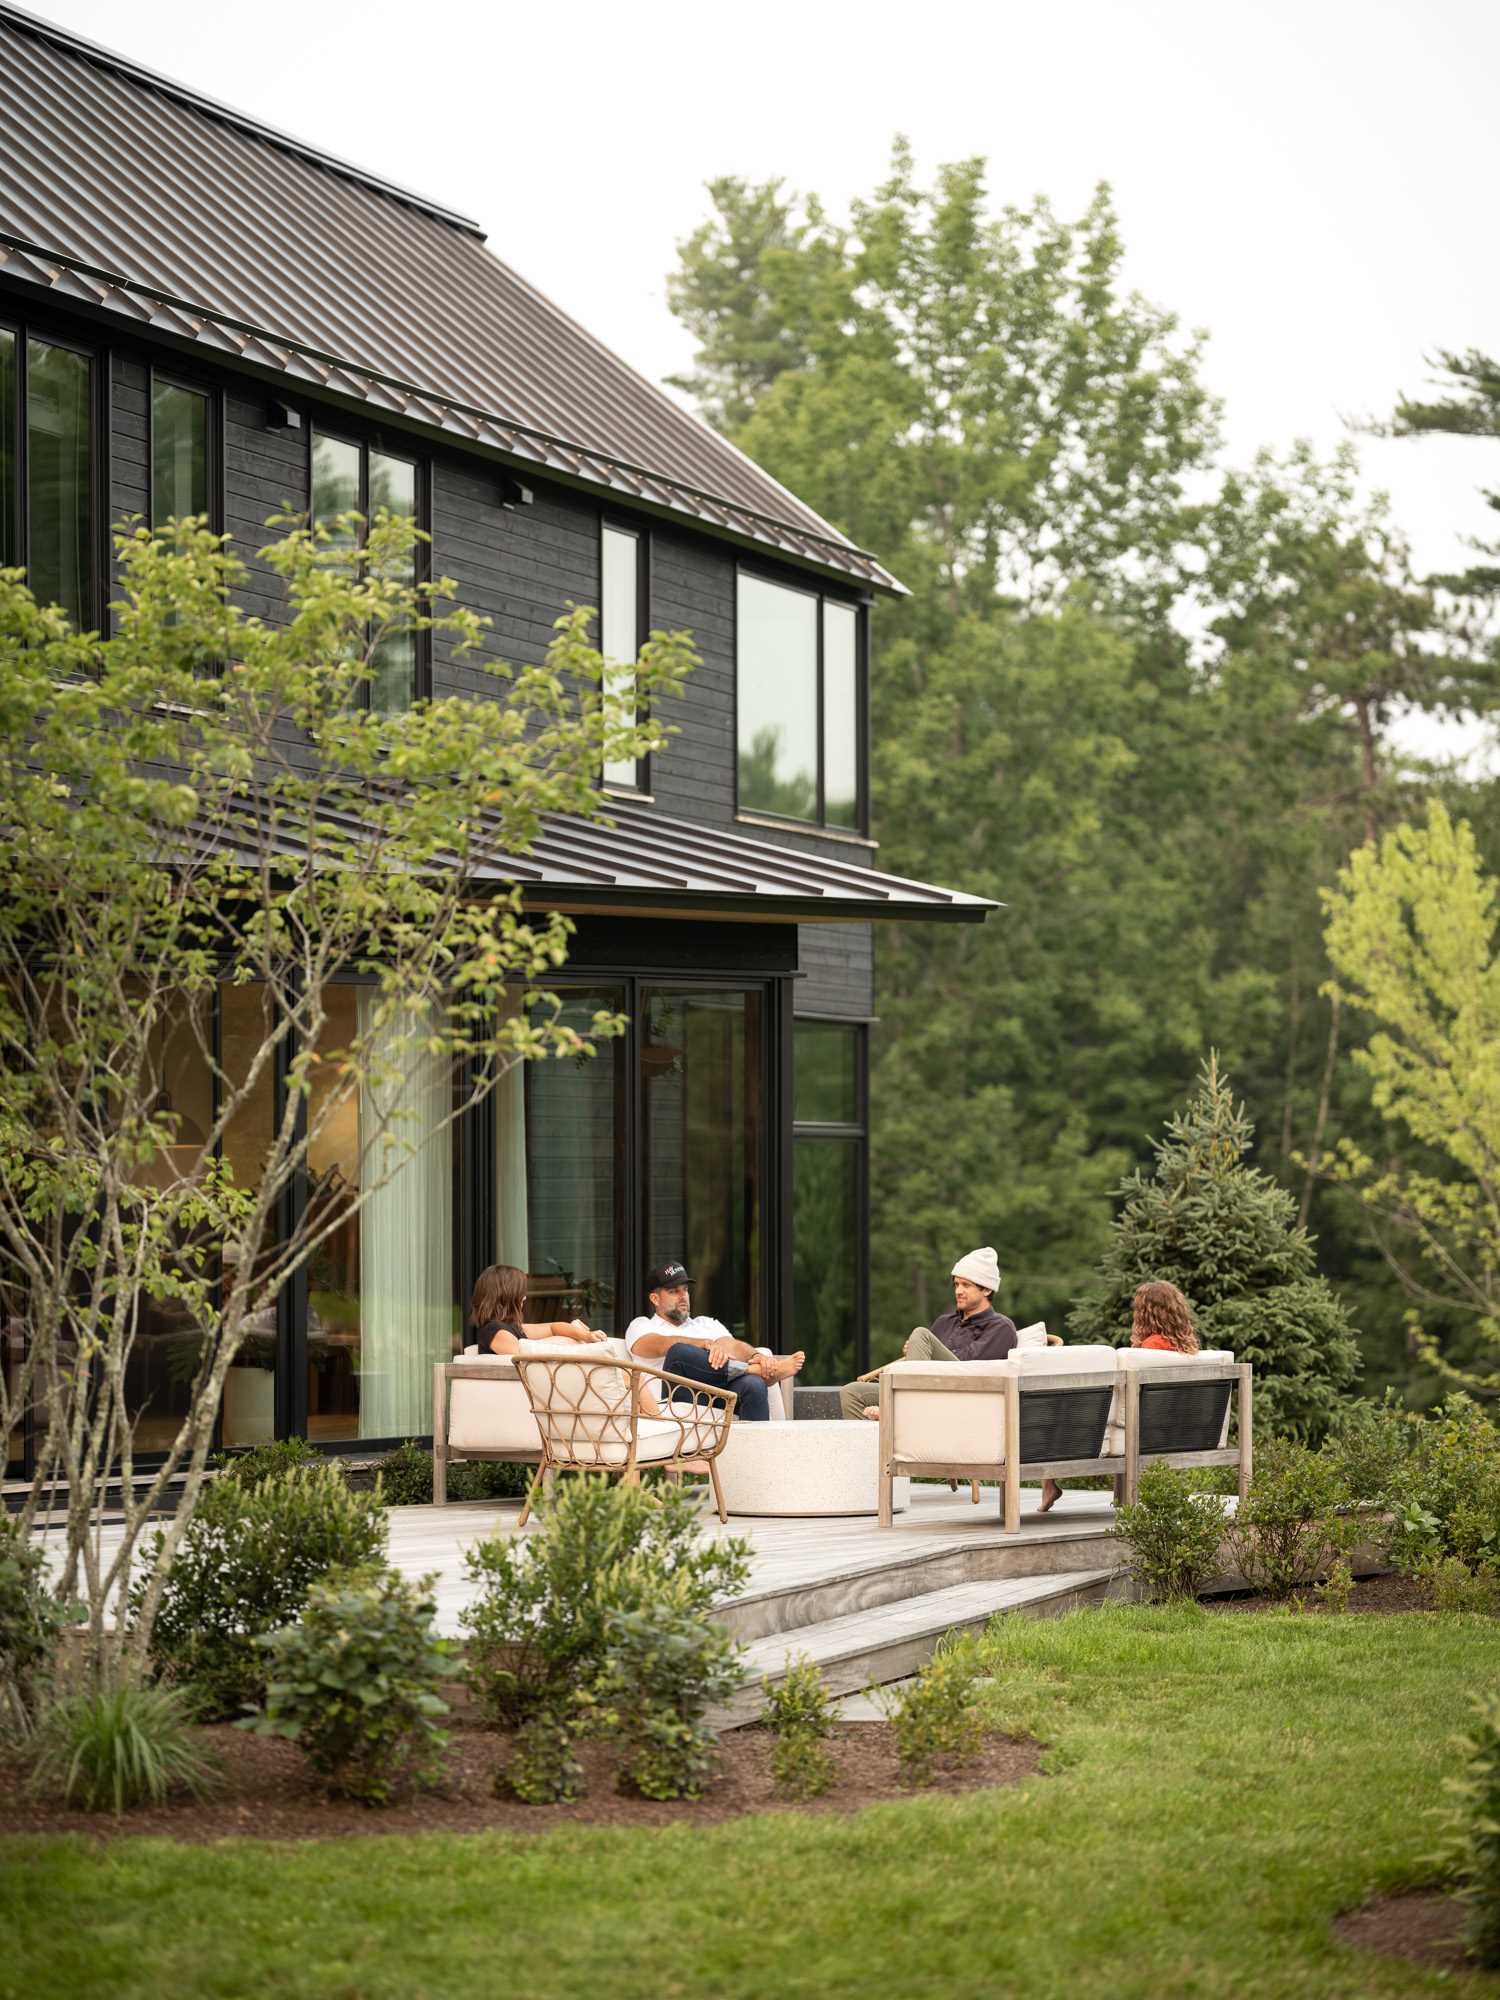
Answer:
[(421, 463), (854, 1133), (213, 395), (610, 522), (26, 327), (860, 606)]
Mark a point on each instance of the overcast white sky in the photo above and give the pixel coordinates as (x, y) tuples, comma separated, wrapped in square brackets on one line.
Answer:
[(1311, 181)]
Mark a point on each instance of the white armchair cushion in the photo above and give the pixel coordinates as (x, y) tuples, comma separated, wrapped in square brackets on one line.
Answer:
[(1087, 1358), (491, 1416), (1034, 1335), (1155, 1361), (934, 1427)]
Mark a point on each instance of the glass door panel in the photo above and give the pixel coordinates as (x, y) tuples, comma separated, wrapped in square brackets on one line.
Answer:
[(702, 1143), (574, 1183)]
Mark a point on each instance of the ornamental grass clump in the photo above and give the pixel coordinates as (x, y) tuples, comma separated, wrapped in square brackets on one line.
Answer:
[(1472, 1850), (935, 1717), (799, 1712), (1175, 1532), (354, 1682), (110, 1748), (244, 1567), (1290, 1531)]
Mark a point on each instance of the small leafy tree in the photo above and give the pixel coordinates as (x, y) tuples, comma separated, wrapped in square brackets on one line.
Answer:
[(1411, 937), (1226, 1235), (204, 800)]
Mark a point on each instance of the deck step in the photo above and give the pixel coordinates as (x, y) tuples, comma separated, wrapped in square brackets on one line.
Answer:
[(887, 1642)]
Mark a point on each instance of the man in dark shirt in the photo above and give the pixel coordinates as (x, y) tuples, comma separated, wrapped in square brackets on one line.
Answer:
[(973, 1331)]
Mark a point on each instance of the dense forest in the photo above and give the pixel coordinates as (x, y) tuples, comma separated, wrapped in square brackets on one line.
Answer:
[(1147, 699)]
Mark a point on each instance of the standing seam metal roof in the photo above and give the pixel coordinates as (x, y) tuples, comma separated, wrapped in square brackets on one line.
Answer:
[(125, 191)]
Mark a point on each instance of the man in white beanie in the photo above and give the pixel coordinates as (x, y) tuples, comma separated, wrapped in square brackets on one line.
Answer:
[(973, 1331)]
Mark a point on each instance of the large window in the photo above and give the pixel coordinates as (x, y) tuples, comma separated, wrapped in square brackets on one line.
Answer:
[(828, 1194), (349, 478), (559, 1170), (47, 518), (798, 692), (622, 623)]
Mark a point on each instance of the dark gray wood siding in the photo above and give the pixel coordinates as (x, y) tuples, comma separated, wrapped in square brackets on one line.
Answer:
[(519, 567)]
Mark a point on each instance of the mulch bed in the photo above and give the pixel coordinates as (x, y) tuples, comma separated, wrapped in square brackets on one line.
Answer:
[(268, 1793), (1424, 1926), (1380, 1595)]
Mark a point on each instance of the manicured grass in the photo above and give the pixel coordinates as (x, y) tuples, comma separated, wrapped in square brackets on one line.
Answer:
[(1218, 1788)]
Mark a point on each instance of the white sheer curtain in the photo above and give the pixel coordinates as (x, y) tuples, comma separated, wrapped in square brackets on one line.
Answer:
[(406, 1235)]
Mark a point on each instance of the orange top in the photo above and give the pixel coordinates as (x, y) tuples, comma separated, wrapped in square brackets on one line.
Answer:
[(1158, 1340)]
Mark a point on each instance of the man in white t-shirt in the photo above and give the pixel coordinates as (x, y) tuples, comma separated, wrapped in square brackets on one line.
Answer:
[(676, 1340)]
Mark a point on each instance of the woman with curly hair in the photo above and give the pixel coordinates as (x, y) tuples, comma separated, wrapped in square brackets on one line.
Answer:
[(1161, 1317)]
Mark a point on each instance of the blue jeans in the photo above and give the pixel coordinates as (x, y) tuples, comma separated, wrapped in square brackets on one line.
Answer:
[(686, 1357)]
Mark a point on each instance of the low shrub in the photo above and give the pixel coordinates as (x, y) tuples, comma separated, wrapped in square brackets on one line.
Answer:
[(934, 1717), (543, 1769), (1175, 1532), (1289, 1532), (107, 1749), (1456, 1587), (32, 1620), (540, 1626), (1472, 1850), (1370, 1447), (261, 1462), (1337, 1588), (406, 1478), (244, 1567), (665, 1667), (800, 1712), (1449, 1498), (355, 1682)]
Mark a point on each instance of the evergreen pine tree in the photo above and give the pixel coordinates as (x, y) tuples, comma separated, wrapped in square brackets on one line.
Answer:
[(1225, 1234)]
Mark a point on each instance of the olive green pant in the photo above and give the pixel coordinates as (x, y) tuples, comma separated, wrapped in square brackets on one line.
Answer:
[(857, 1397)]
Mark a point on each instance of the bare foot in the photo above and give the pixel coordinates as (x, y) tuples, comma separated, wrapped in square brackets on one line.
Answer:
[(779, 1367), (872, 1414), (1051, 1492)]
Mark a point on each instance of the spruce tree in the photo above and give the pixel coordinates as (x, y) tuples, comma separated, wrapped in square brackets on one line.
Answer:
[(1226, 1235)]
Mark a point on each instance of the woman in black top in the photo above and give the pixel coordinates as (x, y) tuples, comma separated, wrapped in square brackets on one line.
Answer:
[(495, 1314)]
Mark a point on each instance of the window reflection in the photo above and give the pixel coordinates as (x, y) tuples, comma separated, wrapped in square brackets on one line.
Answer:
[(777, 696), (60, 565), (10, 541), (179, 452), (570, 1177), (701, 1070), (840, 715), (619, 630)]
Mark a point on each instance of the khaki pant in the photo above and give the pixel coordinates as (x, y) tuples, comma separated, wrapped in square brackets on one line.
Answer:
[(923, 1345)]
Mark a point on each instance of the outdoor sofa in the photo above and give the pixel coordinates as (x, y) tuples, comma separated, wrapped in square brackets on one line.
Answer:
[(1061, 1412)]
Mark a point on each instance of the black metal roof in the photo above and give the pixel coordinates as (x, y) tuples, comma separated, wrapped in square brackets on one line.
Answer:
[(124, 191), (638, 862)]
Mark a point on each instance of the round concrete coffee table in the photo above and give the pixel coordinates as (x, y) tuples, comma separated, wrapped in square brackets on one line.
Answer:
[(805, 1469)]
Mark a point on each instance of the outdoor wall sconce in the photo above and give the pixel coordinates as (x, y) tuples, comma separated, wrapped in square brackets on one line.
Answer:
[(282, 417), (515, 493)]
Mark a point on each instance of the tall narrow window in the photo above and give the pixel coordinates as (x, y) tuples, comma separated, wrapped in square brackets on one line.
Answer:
[(828, 1199), (798, 698), (59, 479), (349, 478), (10, 497), (620, 632), (179, 452)]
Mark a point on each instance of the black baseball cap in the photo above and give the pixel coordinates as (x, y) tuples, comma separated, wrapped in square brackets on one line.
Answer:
[(666, 1278)]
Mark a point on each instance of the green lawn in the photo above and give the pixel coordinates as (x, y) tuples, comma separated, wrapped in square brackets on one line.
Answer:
[(1217, 1788)]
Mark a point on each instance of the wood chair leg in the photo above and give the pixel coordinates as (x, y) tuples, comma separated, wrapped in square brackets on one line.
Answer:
[(974, 1491), (531, 1493), (713, 1476)]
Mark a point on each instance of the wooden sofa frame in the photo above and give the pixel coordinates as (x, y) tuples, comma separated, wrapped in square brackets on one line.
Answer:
[(1148, 1431)]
